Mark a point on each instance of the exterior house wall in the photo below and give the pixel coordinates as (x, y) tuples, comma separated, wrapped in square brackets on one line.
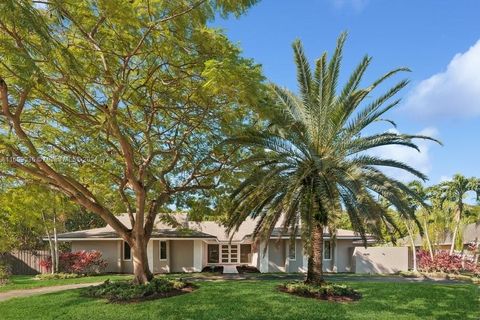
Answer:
[(295, 265), (160, 266), (181, 256), (276, 256), (108, 249), (343, 255), (380, 259)]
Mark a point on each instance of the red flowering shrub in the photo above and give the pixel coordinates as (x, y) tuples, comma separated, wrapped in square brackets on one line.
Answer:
[(84, 262), (444, 262)]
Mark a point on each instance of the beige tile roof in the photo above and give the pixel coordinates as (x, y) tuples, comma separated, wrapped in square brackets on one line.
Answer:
[(177, 225)]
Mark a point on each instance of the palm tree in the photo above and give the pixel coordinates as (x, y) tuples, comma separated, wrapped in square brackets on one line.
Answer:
[(454, 191), (312, 161), (423, 210)]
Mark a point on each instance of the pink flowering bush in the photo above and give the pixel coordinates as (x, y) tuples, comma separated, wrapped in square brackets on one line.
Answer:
[(80, 262), (444, 262)]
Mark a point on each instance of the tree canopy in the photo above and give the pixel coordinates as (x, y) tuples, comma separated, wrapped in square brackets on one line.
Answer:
[(120, 104)]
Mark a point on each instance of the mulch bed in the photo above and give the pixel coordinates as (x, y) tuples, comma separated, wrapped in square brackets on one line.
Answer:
[(334, 298), (160, 295)]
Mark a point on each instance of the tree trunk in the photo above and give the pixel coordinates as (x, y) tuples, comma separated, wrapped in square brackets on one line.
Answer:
[(315, 261), (412, 243), (457, 225), (141, 271), (55, 240), (427, 237), (50, 244)]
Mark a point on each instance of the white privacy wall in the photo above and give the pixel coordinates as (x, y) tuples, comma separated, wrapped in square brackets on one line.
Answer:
[(380, 259)]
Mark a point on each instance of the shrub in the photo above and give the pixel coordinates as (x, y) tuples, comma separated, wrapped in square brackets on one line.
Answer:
[(54, 276), (325, 290), (4, 274), (247, 269), (213, 269), (444, 262), (124, 291), (80, 262)]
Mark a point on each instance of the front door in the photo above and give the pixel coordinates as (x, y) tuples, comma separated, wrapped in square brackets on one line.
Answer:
[(229, 253)]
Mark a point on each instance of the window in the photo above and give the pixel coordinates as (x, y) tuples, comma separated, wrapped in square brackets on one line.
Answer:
[(213, 253), (163, 250), (327, 250), (127, 251), (292, 250), (245, 253)]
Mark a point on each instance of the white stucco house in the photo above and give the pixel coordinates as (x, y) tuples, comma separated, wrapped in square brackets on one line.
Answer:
[(196, 245)]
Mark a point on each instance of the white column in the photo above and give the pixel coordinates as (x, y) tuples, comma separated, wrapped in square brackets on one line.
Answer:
[(287, 258), (197, 255), (150, 255), (263, 256), (119, 255)]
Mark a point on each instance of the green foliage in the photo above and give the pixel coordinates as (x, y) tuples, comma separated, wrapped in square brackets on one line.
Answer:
[(4, 274), (122, 291), (312, 164), (327, 289), (124, 100), (60, 275)]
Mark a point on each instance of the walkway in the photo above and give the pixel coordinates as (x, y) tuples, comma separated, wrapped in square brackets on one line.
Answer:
[(328, 277), (30, 292)]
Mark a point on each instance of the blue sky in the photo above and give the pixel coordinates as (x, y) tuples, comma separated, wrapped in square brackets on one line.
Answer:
[(437, 39)]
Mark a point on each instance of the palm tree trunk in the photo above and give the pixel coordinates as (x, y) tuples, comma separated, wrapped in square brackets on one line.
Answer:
[(315, 261), (455, 231), (427, 237)]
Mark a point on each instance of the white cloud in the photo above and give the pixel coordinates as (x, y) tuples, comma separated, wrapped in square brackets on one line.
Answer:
[(357, 5), (420, 161), (452, 93)]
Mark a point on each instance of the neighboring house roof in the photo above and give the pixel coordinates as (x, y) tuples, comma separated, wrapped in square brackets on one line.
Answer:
[(471, 233), (181, 227)]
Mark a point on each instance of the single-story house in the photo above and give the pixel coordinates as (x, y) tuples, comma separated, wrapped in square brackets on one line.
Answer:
[(195, 245)]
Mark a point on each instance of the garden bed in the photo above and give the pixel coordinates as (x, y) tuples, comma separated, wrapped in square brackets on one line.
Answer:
[(441, 276), (328, 291), (127, 292)]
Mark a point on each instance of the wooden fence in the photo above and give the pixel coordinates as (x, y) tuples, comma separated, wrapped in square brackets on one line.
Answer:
[(25, 261)]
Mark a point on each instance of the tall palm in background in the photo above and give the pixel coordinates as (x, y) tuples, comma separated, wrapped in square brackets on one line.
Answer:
[(423, 211), (455, 191), (313, 161)]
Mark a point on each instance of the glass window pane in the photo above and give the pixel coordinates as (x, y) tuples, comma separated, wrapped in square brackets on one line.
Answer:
[(292, 250), (127, 251), (213, 253), (245, 253), (327, 250), (163, 250)]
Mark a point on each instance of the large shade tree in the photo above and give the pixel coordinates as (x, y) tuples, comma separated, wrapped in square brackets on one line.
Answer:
[(119, 104), (314, 160)]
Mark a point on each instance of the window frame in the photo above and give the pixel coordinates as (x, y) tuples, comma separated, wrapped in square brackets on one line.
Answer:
[(208, 253), (123, 251), (292, 244), (160, 250), (329, 252)]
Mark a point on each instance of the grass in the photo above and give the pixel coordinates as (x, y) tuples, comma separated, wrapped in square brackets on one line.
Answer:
[(260, 299), (29, 282)]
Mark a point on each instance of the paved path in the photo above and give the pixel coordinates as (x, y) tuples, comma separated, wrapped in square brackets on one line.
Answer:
[(328, 277), (30, 292)]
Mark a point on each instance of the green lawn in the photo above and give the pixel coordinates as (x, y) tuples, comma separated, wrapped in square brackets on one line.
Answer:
[(258, 299), (29, 282)]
